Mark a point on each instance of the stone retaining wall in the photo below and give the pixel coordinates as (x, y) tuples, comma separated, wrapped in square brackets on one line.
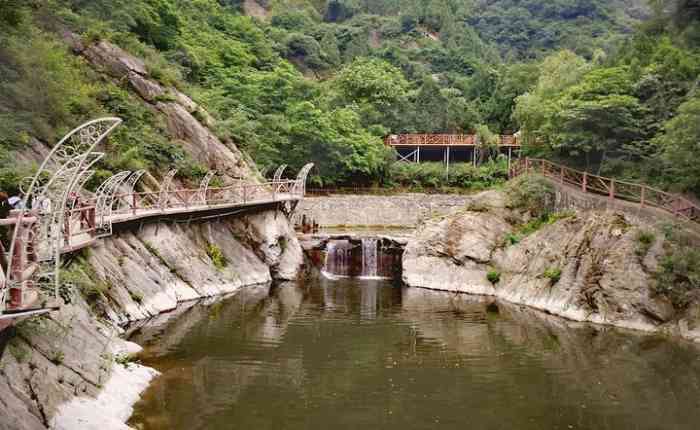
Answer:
[(406, 210)]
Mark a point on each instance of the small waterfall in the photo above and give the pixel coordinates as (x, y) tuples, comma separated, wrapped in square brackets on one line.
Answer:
[(362, 258), (338, 259), (370, 258)]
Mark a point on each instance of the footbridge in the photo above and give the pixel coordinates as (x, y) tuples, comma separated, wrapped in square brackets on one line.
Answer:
[(58, 216)]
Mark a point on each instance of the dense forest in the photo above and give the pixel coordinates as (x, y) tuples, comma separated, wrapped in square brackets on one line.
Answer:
[(609, 85)]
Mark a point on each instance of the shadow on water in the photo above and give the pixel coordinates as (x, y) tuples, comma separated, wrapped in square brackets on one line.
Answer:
[(361, 353)]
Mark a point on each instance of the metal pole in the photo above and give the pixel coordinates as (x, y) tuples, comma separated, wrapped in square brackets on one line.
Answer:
[(418, 155), (510, 156), (448, 163)]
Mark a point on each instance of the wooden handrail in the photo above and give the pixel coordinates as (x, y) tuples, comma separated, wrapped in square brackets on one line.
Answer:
[(444, 140), (642, 194)]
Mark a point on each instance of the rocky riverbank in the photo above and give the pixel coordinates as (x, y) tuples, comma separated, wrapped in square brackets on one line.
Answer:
[(596, 266)]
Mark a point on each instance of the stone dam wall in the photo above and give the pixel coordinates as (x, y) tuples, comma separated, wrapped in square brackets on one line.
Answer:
[(405, 210)]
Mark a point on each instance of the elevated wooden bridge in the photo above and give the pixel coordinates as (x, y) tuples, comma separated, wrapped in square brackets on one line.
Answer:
[(56, 218), (449, 148)]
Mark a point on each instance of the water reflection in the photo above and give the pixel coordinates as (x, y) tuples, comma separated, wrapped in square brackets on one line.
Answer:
[(366, 353)]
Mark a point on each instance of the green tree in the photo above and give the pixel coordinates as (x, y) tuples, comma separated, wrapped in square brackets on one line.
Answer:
[(679, 147)]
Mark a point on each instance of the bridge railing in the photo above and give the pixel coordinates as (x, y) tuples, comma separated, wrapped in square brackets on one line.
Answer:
[(443, 140), (242, 193), (633, 192)]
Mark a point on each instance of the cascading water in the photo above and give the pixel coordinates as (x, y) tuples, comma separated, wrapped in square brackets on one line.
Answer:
[(357, 258), (370, 258), (338, 256)]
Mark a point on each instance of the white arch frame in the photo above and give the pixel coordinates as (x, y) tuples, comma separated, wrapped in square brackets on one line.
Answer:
[(104, 205), (201, 196), (165, 189), (300, 183), (279, 172), (66, 167)]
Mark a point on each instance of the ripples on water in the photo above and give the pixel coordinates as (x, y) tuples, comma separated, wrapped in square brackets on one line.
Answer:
[(366, 354)]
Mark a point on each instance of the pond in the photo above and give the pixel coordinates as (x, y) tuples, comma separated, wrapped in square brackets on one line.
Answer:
[(352, 354)]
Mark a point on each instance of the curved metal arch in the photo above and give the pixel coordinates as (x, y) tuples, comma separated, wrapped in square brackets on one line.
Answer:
[(278, 173), (65, 166), (130, 183), (85, 175), (300, 183), (130, 186), (165, 189), (106, 196), (201, 196)]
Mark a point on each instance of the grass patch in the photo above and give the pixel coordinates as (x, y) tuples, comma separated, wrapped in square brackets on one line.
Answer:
[(553, 274), (82, 276), (645, 240), (19, 352), (217, 256), (535, 225)]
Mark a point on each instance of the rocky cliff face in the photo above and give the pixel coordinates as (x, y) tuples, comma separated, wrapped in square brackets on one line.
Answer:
[(63, 370), (588, 266)]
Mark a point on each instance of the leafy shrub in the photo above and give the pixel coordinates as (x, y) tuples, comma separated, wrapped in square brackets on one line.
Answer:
[(493, 276), (646, 240), (434, 175), (531, 193), (678, 277)]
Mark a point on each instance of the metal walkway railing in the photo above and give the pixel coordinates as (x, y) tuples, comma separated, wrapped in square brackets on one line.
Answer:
[(641, 194)]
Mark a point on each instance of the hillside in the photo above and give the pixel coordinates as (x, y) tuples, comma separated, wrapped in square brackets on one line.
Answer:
[(293, 80)]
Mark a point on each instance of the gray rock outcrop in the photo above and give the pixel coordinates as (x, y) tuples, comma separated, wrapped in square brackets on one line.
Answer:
[(585, 267)]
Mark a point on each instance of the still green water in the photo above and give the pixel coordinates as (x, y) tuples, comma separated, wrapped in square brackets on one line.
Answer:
[(370, 355)]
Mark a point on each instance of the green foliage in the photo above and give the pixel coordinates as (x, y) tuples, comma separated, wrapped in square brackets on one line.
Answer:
[(324, 80), (678, 277), (679, 147), (57, 357), (535, 225), (19, 351), (493, 276), (645, 240), (531, 193), (136, 297), (217, 256), (553, 274), (434, 175), (42, 88), (82, 276)]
